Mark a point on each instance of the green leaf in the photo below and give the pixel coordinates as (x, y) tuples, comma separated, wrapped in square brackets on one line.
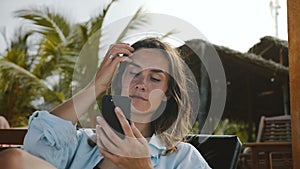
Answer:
[(137, 20)]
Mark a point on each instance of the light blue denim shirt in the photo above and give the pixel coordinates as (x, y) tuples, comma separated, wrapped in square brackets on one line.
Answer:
[(60, 143)]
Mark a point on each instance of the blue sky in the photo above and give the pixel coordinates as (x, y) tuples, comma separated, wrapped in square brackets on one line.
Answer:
[(237, 24)]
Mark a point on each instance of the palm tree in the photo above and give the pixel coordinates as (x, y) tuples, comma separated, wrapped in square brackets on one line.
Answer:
[(25, 79), (17, 82)]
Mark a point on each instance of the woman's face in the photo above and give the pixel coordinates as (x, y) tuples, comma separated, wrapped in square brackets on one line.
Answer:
[(145, 80)]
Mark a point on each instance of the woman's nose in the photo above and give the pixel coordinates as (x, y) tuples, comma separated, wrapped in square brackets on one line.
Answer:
[(140, 87), (140, 83)]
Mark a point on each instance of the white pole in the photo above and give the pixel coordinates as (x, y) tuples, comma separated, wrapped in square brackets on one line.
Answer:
[(274, 6)]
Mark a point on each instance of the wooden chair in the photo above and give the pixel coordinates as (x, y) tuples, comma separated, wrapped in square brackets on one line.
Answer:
[(11, 138), (273, 144), (275, 129)]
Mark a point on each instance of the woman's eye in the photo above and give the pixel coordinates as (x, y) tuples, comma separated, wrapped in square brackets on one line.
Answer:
[(155, 79), (133, 73)]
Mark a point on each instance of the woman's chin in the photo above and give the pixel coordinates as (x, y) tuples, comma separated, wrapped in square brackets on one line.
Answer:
[(139, 110), (140, 116)]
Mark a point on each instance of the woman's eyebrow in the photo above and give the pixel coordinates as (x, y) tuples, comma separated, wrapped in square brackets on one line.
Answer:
[(135, 65), (157, 70), (152, 70)]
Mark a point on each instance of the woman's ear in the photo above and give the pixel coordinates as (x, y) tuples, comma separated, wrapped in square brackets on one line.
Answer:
[(168, 94)]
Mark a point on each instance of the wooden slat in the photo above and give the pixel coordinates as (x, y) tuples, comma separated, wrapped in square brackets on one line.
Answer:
[(293, 8), (274, 136), (12, 136), (277, 128)]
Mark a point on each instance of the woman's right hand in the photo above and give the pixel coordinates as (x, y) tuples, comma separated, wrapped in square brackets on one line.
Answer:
[(108, 66)]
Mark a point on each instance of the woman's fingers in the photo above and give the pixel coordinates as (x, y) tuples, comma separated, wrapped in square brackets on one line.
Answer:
[(117, 51), (108, 131), (108, 155), (138, 134), (134, 145), (104, 151), (113, 57), (124, 123), (106, 142)]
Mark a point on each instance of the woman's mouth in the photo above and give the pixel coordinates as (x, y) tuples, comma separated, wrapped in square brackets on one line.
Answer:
[(138, 97)]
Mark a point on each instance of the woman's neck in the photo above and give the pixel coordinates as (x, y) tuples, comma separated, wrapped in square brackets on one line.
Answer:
[(144, 128)]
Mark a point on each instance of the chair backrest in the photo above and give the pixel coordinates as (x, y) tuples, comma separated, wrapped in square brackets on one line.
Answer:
[(220, 151), (274, 129)]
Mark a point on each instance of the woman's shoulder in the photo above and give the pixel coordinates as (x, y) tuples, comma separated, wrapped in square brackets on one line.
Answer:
[(186, 147)]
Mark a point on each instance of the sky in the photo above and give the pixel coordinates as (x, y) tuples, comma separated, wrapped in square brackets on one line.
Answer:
[(236, 24)]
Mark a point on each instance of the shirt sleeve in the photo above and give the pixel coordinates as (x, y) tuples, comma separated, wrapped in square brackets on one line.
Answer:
[(50, 138)]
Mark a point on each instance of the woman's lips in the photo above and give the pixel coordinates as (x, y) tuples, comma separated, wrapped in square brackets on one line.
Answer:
[(138, 97)]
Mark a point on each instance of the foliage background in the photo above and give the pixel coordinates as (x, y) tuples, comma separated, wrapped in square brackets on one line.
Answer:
[(36, 70)]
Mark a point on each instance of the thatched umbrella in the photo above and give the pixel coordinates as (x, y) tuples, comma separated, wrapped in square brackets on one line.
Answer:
[(254, 83)]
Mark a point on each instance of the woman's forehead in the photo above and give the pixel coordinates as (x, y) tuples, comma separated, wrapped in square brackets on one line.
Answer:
[(149, 59)]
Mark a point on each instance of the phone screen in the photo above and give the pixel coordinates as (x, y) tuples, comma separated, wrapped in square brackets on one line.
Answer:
[(109, 103)]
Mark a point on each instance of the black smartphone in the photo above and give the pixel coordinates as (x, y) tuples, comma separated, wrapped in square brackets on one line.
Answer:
[(109, 103)]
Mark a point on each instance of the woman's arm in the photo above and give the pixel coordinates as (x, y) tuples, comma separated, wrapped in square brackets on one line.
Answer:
[(16, 158), (84, 98)]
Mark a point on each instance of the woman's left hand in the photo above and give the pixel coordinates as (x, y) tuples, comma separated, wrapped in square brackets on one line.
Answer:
[(131, 152)]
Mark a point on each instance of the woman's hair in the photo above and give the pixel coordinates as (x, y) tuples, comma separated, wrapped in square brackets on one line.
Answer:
[(172, 124)]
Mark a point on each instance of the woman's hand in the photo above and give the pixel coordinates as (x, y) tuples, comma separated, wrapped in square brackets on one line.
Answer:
[(131, 152), (112, 58), (4, 123), (79, 103)]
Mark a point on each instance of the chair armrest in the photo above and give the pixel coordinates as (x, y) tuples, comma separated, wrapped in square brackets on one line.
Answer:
[(12, 136)]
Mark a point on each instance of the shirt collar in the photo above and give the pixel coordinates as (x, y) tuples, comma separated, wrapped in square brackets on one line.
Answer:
[(156, 146)]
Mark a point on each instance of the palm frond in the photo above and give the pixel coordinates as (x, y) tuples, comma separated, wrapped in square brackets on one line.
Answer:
[(90, 51), (96, 23), (14, 71), (172, 32), (50, 24), (19, 89), (4, 35), (137, 20), (18, 47), (52, 57), (77, 38)]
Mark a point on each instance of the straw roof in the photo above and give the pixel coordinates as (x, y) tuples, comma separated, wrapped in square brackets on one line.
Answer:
[(254, 82)]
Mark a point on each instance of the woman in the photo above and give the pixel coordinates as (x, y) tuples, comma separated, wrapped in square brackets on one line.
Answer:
[(151, 74)]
